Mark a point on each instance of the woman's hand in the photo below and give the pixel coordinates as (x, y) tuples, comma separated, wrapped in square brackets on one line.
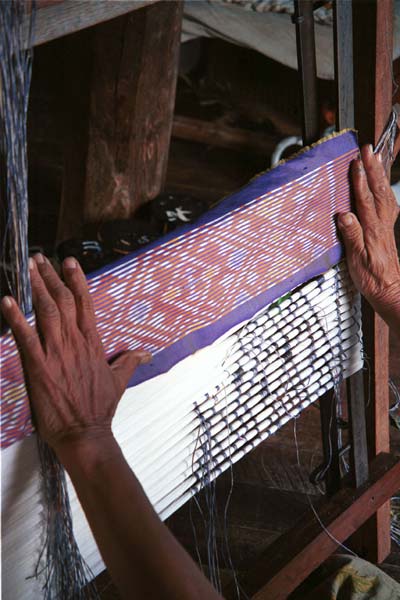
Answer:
[(74, 393), (369, 240), (73, 390)]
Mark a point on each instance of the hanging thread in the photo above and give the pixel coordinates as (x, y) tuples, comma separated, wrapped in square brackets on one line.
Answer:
[(15, 78), (60, 565)]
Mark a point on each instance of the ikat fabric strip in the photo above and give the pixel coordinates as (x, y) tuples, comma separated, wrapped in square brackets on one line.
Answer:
[(187, 289)]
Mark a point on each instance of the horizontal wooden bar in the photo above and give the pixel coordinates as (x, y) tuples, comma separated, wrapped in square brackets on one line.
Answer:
[(222, 136), (55, 18), (297, 553)]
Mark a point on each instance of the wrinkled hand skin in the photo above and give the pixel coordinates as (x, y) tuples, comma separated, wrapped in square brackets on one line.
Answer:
[(73, 390), (369, 239)]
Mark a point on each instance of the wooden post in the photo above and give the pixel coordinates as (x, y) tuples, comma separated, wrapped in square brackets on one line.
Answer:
[(373, 41), (358, 431), (132, 94), (343, 54), (344, 76)]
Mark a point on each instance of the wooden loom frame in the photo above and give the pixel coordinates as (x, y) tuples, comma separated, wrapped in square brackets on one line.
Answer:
[(362, 506), (359, 508)]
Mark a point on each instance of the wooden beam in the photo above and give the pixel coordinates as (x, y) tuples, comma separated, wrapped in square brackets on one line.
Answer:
[(214, 133), (132, 96), (373, 21), (289, 560), (56, 18), (343, 53)]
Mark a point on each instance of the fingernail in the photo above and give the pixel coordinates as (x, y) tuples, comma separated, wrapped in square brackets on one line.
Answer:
[(379, 157), (70, 263), (359, 166), (144, 357), (7, 302), (31, 264), (345, 219), (39, 258), (370, 149)]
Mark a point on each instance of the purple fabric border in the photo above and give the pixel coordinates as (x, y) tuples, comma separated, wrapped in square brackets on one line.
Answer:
[(164, 360), (295, 167)]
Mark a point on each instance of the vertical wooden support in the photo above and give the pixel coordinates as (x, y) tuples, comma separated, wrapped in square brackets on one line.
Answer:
[(343, 54), (373, 39), (358, 431), (132, 95), (344, 77), (307, 66)]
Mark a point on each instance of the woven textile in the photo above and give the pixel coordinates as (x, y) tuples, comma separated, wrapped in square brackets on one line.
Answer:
[(180, 430), (186, 290), (210, 412)]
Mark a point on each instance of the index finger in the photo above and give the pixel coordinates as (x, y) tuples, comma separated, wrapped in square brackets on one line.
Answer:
[(378, 182), (25, 336)]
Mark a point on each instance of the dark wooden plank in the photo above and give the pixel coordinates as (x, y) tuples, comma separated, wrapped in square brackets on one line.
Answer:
[(306, 60), (208, 173), (56, 18), (301, 550), (344, 76), (132, 94), (217, 134), (373, 21), (77, 71)]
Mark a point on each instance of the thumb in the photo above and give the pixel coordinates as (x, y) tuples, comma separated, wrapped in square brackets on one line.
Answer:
[(126, 363), (352, 234)]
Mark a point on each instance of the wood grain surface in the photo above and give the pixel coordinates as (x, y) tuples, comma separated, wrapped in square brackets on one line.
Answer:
[(56, 18), (128, 117)]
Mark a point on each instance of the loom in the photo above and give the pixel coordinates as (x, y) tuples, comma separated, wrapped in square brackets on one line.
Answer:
[(244, 336), (241, 343), (185, 291)]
